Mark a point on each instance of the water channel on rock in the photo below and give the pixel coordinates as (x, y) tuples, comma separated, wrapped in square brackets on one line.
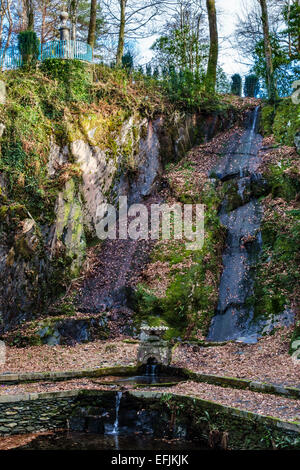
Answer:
[(243, 244)]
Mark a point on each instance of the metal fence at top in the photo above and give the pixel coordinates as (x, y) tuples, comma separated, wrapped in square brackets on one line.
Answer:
[(11, 57)]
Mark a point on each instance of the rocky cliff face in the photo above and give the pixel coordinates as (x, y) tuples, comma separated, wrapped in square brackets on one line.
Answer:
[(35, 259)]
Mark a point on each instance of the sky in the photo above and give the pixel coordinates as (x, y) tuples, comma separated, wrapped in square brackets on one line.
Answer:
[(228, 57)]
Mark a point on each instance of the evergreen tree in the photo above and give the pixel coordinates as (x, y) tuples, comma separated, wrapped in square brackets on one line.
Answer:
[(156, 73), (251, 87), (236, 85), (127, 61), (28, 43), (148, 70)]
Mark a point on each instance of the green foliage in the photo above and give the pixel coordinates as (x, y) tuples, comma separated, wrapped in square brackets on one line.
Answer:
[(73, 77), (183, 62), (223, 84), (184, 87), (292, 18), (28, 44), (271, 440), (286, 121), (282, 120), (278, 272), (13, 155), (295, 337), (267, 119), (283, 183), (251, 87), (181, 49), (285, 54), (189, 300), (148, 70), (127, 61), (285, 70), (145, 302), (236, 85)]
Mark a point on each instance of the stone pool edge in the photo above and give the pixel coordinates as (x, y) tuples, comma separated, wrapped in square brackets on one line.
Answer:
[(223, 381), (38, 412)]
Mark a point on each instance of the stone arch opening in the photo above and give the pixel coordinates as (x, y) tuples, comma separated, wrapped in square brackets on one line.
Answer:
[(152, 361)]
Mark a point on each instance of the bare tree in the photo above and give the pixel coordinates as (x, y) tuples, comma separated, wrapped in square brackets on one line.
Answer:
[(2, 18), (46, 19), (28, 14), (72, 6), (5, 32), (131, 19), (10, 23), (183, 43), (249, 30)]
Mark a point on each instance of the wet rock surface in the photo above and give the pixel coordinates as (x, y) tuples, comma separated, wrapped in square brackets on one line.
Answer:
[(241, 214)]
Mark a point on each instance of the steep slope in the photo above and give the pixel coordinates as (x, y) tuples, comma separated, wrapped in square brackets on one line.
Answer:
[(71, 141)]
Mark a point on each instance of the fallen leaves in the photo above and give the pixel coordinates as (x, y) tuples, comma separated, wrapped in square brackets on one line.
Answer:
[(267, 360), (60, 358), (263, 404)]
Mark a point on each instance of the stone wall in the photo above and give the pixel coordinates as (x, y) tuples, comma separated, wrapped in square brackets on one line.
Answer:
[(35, 412), (160, 414)]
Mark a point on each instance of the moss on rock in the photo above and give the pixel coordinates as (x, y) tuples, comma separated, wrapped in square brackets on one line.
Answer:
[(282, 120)]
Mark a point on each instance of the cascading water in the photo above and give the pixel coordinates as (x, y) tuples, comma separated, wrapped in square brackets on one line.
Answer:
[(115, 429), (233, 316), (151, 370), (252, 131)]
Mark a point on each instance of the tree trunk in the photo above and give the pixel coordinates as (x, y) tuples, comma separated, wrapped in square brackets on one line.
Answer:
[(2, 14), (268, 50), (10, 26), (24, 21), (121, 41), (289, 35), (73, 5), (30, 15), (298, 4), (211, 74), (43, 25), (92, 24)]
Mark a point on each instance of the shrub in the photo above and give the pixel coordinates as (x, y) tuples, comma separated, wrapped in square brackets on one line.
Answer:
[(251, 87), (72, 75), (236, 85), (28, 44)]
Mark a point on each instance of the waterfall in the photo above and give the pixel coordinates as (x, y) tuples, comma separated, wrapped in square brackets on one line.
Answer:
[(151, 370), (253, 128), (252, 131), (243, 243), (116, 423)]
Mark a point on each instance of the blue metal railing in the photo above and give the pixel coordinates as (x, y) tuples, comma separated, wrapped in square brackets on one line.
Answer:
[(66, 50), (11, 58)]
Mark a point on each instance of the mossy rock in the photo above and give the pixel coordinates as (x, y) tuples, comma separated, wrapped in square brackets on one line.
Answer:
[(295, 339), (267, 119), (282, 120), (286, 122)]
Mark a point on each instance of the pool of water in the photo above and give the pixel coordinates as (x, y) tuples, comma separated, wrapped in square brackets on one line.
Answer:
[(64, 440)]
